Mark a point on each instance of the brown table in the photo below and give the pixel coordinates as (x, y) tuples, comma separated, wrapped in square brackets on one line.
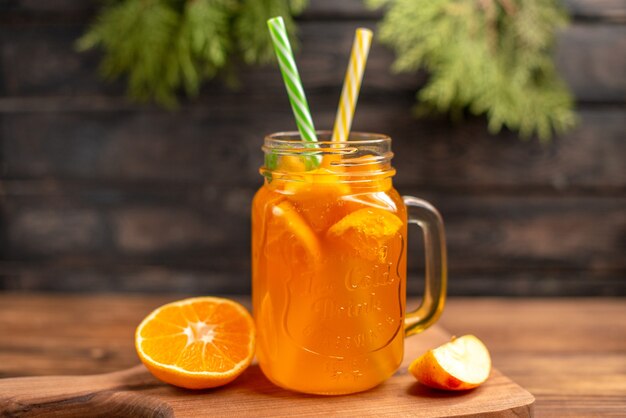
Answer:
[(570, 353)]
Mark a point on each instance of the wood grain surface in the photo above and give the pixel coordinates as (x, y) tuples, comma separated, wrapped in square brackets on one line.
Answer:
[(569, 353), (134, 392)]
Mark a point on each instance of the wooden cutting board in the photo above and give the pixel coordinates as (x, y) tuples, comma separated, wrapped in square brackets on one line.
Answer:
[(135, 393)]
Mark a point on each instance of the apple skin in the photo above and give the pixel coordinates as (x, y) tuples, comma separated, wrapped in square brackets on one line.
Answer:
[(428, 371)]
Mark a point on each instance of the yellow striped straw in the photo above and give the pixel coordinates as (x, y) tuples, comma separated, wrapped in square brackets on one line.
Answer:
[(352, 84)]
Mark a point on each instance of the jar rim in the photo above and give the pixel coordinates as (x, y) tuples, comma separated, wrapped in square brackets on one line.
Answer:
[(364, 157), (284, 138)]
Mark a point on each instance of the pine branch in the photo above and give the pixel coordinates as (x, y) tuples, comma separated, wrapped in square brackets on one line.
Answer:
[(164, 47), (251, 28), (490, 57)]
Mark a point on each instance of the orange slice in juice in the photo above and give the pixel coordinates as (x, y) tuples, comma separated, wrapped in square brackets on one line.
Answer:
[(291, 163), (366, 230), (288, 231), (367, 174), (197, 343), (318, 197)]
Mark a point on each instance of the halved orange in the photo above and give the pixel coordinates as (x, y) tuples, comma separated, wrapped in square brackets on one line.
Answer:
[(197, 343)]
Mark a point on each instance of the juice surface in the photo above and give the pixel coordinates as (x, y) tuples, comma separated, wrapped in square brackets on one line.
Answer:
[(329, 274)]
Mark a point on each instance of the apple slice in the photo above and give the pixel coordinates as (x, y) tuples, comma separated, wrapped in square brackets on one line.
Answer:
[(460, 364)]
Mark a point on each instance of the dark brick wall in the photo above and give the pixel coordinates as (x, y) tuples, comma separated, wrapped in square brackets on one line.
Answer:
[(99, 194)]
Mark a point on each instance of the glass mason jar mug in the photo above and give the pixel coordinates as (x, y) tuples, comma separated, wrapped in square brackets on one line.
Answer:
[(329, 248)]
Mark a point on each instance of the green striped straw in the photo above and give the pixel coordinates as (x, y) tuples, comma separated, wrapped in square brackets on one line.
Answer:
[(291, 77)]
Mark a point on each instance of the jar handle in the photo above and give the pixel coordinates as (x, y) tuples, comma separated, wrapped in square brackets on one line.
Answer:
[(423, 214)]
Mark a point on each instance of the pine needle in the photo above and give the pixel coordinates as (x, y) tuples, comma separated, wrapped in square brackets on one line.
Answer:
[(166, 47), (491, 57)]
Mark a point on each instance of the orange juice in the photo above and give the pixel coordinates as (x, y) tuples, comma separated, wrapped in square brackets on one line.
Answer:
[(329, 273)]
